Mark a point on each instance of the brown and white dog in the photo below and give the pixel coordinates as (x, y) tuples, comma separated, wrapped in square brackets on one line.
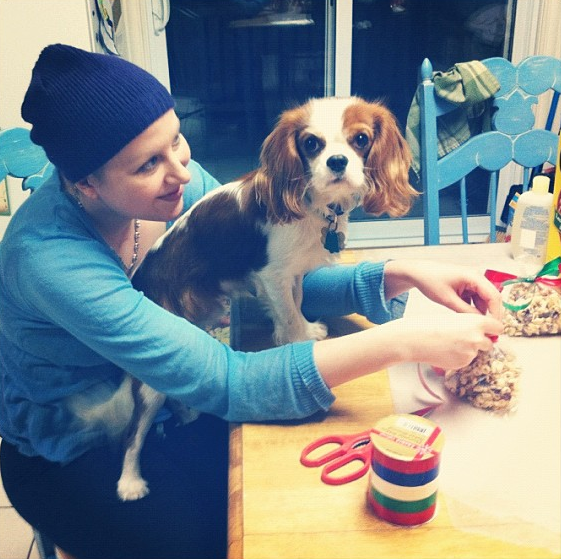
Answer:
[(322, 160)]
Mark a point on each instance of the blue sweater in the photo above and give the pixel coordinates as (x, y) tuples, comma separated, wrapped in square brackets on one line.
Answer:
[(70, 323)]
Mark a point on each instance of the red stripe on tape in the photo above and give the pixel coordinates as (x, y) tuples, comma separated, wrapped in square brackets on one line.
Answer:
[(405, 466), (401, 518)]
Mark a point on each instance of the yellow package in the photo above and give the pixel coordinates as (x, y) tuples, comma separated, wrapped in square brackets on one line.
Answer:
[(554, 236)]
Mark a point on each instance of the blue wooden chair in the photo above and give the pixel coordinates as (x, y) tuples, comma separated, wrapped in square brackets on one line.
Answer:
[(21, 158), (512, 137)]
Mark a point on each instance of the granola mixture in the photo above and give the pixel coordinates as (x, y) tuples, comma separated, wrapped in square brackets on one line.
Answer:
[(489, 382), (542, 316)]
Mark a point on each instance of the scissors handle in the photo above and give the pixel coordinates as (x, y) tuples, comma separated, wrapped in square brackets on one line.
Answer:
[(305, 459), (350, 448), (360, 455)]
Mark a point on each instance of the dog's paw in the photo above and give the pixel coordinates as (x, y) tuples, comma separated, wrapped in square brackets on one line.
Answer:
[(132, 489), (316, 331), (307, 331)]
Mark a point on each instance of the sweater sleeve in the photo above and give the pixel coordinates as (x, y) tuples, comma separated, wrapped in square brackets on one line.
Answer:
[(92, 305), (342, 290)]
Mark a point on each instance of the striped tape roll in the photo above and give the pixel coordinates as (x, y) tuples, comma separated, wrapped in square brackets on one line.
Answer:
[(400, 492), (403, 481)]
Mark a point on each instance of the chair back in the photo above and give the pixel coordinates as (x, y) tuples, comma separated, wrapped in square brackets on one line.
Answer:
[(512, 138), (21, 158)]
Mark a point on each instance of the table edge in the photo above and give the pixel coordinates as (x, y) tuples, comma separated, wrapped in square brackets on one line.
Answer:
[(235, 493)]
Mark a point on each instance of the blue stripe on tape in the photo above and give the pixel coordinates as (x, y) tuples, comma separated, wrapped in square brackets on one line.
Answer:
[(406, 480)]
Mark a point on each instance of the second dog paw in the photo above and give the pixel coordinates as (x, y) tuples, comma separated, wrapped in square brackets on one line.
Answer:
[(132, 489)]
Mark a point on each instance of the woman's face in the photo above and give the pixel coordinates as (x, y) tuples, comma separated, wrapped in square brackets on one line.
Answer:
[(145, 179)]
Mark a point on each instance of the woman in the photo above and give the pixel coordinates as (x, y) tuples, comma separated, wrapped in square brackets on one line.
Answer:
[(70, 323)]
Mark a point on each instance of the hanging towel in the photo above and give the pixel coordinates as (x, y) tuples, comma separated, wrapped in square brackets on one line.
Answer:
[(470, 85)]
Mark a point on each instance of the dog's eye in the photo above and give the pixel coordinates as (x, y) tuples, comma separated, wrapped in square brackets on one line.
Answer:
[(361, 141), (312, 145)]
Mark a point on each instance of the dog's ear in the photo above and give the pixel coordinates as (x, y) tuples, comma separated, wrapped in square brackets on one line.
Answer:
[(280, 180), (387, 166)]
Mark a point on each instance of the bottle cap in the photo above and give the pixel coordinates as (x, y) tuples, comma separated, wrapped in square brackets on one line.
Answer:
[(540, 184)]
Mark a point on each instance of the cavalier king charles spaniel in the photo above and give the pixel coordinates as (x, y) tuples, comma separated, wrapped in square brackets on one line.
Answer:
[(267, 230)]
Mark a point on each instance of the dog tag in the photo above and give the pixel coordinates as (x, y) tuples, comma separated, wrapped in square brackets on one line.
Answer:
[(332, 241)]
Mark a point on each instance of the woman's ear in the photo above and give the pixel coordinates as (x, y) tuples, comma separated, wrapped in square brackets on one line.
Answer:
[(86, 187)]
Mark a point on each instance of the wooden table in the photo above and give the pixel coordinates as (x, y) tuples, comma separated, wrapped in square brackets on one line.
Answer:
[(280, 509)]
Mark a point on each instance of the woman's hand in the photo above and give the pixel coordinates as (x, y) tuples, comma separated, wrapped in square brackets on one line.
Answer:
[(447, 340), (457, 287)]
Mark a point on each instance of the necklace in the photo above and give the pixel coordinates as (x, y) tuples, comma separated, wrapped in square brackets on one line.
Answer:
[(134, 258)]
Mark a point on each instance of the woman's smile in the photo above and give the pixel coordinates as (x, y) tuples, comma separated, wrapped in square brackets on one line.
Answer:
[(173, 196)]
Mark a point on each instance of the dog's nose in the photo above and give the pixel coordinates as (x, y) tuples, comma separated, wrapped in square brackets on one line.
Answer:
[(337, 163)]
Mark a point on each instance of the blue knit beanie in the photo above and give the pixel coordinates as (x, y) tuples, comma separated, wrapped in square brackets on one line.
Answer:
[(86, 107)]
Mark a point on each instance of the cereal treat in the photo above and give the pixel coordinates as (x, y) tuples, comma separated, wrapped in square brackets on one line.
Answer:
[(541, 316), (489, 382)]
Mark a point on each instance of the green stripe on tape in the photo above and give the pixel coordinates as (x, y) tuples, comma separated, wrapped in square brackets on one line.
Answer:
[(403, 506)]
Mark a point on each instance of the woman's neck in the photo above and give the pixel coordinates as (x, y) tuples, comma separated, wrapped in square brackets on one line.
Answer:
[(121, 233), (128, 237)]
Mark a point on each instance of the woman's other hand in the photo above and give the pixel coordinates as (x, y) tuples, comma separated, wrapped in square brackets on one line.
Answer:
[(456, 287)]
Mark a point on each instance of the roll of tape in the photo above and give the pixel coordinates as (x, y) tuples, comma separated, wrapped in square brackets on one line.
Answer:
[(403, 482)]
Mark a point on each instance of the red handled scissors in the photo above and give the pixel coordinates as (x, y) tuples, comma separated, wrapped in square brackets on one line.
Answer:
[(356, 447)]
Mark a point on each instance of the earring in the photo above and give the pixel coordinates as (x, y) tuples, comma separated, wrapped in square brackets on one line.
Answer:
[(77, 194)]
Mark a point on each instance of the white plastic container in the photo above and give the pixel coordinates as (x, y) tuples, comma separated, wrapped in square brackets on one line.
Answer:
[(530, 226)]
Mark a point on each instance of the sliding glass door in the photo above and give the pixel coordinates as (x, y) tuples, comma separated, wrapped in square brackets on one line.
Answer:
[(390, 39), (236, 64)]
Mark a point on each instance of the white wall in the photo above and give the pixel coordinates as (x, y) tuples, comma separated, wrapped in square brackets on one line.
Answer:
[(26, 27)]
